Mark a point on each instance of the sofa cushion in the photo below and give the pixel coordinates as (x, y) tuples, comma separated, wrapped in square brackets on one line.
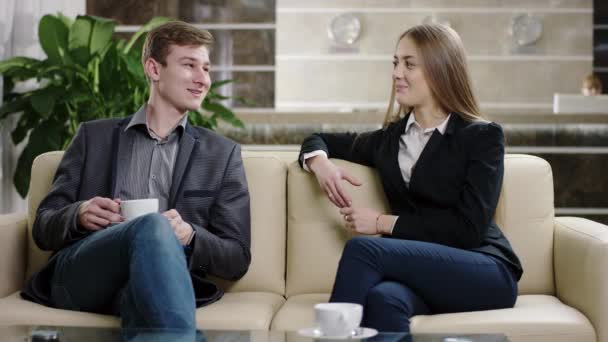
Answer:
[(525, 214), (267, 177), (16, 311), (534, 318), (235, 311), (43, 172), (298, 312), (240, 311), (315, 233)]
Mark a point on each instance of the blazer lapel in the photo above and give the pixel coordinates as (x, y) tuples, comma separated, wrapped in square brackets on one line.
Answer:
[(122, 148), (182, 161), (432, 145), (394, 148)]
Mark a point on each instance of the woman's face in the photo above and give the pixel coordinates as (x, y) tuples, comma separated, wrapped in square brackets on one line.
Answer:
[(411, 88)]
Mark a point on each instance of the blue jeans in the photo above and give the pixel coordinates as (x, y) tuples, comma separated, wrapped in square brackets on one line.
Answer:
[(137, 270), (397, 279)]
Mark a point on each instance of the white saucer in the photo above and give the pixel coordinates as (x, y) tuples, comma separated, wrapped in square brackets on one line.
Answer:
[(359, 333)]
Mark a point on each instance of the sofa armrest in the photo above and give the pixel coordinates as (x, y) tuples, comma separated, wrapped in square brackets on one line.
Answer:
[(580, 259), (13, 252)]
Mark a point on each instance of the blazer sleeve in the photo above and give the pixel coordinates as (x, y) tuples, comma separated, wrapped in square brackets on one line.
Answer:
[(353, 147), (56, 223), (464, 225), (223, 248)]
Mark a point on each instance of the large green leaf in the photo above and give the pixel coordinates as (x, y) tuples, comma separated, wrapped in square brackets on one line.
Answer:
[(103, 29), (80, 33), (53, 37), (16, 63), (78, 42), (47, 136), (43, 100), (27, 120), (154, 22), (89, 35), (66, 20)]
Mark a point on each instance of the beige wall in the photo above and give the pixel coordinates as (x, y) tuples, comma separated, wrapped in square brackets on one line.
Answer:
[(507, 79)]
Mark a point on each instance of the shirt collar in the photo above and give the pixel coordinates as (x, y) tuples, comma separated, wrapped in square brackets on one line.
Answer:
[(441, 128), (139, 118)]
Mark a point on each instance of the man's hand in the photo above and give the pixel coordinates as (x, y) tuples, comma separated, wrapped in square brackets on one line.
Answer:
[(360, 220), (182, 229), (98, 212), (330, 178)]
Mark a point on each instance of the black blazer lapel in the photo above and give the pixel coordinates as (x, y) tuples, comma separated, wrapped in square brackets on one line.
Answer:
[(437, 139), (182, 162), (394, 170)]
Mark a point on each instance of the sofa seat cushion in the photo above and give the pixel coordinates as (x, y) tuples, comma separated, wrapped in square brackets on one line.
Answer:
[(534, 318), (240, 311), (297, 312), (235, 311), (16, 311)]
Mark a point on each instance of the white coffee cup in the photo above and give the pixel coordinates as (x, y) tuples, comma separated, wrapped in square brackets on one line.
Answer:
[(133, 208), (338, 319)]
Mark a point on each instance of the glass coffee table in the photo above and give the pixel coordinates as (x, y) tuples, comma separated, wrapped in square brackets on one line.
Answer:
[(75, 334)]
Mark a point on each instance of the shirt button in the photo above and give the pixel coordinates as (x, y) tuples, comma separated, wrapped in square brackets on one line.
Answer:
[(153, 177)]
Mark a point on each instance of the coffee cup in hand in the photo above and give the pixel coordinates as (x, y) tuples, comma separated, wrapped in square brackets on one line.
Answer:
[(133, 208), (338, 319)]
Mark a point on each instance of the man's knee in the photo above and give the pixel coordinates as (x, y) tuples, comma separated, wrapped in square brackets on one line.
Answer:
[(152, 227)]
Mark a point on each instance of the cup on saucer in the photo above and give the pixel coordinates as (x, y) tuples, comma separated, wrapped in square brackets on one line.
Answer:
[(338, 319)]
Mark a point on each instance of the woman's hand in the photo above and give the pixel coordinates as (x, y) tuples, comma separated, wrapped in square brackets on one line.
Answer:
[(361, 220), (330, 178)]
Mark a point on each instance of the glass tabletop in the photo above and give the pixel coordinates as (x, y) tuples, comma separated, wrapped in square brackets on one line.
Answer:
[(74, 334)]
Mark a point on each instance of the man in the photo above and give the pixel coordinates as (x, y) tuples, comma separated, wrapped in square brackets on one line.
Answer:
[(151, 270)]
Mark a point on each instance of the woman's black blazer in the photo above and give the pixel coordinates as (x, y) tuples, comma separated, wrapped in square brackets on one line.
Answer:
[(454, 187)]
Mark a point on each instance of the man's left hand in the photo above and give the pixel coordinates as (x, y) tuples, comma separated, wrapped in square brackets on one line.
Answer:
[(182, 229)]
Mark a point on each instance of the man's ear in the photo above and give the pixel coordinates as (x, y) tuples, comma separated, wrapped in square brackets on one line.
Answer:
[(152, 69)]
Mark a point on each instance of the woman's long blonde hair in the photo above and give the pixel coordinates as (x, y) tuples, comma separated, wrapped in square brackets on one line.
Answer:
[(445, 69)]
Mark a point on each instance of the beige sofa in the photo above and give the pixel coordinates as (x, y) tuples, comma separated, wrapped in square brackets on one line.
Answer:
[(297, 240)]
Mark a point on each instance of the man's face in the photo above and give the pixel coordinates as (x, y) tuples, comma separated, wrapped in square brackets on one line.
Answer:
[(184, 79)]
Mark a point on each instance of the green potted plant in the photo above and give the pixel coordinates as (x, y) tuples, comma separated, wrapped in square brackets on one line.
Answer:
[(88, 74)]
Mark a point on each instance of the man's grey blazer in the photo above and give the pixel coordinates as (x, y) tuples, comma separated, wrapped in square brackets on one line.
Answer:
[(209, 190)]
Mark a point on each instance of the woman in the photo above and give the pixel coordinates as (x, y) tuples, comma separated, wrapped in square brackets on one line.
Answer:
[(441, 167)]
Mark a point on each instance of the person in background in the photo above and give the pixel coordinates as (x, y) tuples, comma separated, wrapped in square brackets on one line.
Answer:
[(441, 166), (592, 85)]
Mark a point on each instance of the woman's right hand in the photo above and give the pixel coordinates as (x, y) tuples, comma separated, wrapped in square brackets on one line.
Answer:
[(330, 178)]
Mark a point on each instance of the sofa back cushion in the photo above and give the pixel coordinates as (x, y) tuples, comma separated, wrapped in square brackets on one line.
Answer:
[(315, 233), (266, 176), (525, 213)]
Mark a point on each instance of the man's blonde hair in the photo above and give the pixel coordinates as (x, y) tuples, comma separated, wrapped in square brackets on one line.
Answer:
[(159, 40)]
